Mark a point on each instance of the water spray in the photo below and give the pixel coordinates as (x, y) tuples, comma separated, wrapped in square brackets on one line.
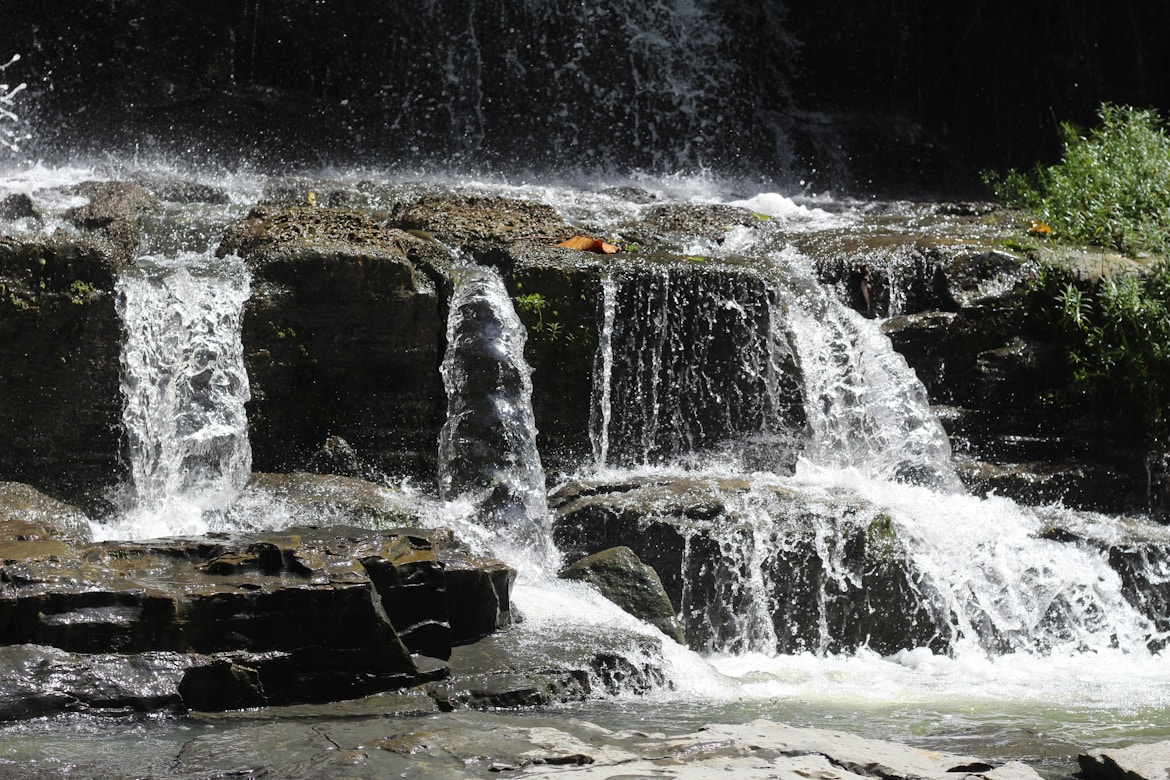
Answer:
[(9, 136)]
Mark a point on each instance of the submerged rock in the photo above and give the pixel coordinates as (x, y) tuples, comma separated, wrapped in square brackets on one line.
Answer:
[(632, 585)]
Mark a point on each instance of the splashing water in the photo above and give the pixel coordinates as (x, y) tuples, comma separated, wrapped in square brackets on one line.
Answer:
[(10, 137), (185, 387), (867, 409)]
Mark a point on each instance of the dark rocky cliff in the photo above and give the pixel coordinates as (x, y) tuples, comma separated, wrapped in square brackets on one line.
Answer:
[(898, 97)]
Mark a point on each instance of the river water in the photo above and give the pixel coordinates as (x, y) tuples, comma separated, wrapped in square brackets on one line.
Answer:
[(1042, 693)]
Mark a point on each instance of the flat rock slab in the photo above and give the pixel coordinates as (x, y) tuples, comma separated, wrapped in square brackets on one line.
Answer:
[(475, 744), (1136, 762)]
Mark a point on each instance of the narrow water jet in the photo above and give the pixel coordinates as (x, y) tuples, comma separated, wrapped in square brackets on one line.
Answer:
[(487, 446)]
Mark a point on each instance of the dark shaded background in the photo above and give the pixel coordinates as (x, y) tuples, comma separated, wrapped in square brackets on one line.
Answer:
[(896, 98)]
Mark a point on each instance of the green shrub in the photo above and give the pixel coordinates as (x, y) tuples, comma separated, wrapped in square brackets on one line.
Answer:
[(1119, 349), (1112, 187)]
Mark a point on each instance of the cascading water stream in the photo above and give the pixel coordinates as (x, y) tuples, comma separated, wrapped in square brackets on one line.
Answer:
[(874, 505), (688, 364), (185, 388), (487, 447), (866, 408)]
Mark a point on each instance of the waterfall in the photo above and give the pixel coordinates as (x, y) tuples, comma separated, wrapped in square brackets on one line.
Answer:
[(601, 410), (487, 446), (692, 364), (867, 409), (872, 542), (185, 387), (828, 562)]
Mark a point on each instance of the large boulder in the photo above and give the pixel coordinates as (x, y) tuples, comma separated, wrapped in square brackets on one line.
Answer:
[(632, 585), (1136, 762), (758, 566), (60, 340)]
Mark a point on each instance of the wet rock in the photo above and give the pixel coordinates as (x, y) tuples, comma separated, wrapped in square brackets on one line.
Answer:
[(1137, 762), (746, 565), (459, 219), (114, 214), (26, 515), (343, 336), (302, 615), (18, 206), (632, 585), (674, 225), (60, 339), (567, 663), (40, 681)]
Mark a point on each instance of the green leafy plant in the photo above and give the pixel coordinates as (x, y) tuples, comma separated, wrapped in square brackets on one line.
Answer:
[(1111, 188), (532, 303), (1120, 349), (82, 292)]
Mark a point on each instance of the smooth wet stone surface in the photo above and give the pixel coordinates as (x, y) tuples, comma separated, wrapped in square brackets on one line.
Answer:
[(564, 663), (622, 578)]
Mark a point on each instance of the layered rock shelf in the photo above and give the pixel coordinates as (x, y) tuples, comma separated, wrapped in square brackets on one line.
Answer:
[(235, 620), (345, 329)]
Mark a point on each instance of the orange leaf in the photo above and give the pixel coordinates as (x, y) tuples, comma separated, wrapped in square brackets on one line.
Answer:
[(1038, 228), (586, 244)]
